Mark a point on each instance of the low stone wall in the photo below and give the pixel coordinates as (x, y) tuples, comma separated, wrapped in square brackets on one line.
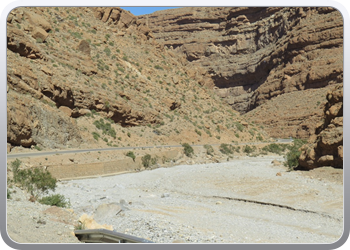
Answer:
[(86, 170)]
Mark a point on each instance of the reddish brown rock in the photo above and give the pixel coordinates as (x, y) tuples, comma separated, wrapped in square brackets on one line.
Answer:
[(253, 55), (327, 149), (66, 110), (39, 34)]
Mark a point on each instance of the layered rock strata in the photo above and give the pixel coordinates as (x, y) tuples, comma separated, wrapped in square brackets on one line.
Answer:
[(326, 147), (252, 55)]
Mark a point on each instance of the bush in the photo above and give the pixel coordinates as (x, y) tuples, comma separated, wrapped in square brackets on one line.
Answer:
[(275, 148), (292, 157), (95, 135), (107, 51), (146, 160), (105, 127), (57, 200), (158, 67), (239, 126), (36, 181), (247, 149), (15, 165), (198, 132), (188, 150), (131, 155), (226, 149)]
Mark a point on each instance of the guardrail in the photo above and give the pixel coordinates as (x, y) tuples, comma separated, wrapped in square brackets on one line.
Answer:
[(106, 236)]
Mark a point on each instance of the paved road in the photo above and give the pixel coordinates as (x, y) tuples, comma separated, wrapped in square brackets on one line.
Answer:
[(43, 153)]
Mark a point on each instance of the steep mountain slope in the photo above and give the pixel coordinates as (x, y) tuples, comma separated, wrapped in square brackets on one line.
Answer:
[(253, 55), (87, 77)]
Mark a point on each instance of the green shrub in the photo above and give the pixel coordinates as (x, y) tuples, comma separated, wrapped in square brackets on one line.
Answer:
[(247, 149), (15, 165), (158, 67), (188, 150), (8, 194), (57, 200), (292, 157), (226, 149), (239, 126), (259, 137), (105, 127), (146, 160), (36, 181), (275, 148), (198, 132), (95, 135), (131, 155)]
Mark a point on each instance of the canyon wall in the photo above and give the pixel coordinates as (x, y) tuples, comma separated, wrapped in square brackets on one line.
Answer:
[(253, 55)]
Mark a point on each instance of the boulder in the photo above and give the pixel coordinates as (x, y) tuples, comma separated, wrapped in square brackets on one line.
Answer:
[(84, 47), (66, 110), (39, 34), (88, 222)]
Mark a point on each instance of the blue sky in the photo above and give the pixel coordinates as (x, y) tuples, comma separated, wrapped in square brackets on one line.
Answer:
[(145, 10)]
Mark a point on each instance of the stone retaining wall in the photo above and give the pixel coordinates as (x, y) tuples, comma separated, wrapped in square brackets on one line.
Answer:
[(85, 170)]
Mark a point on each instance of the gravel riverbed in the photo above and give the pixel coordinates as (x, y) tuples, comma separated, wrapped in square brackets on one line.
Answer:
[(246, 200)]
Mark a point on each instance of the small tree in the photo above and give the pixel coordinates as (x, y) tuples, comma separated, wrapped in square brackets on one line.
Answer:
[(146, 160)]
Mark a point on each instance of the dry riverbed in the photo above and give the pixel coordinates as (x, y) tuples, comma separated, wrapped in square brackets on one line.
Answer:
[(245, 200)]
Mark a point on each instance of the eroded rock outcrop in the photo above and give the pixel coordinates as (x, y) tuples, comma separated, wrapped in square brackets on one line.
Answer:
[(251, 54), (29, 38), (103, 73), (326, 147), (31, 122)]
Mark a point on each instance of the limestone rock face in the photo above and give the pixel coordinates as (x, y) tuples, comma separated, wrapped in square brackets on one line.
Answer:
[(253, 55), (123, 21), (327, 148)]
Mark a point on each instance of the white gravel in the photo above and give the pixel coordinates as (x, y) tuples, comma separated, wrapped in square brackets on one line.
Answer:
[(242, 201)]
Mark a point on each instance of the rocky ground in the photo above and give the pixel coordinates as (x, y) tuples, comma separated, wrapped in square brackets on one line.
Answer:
[(250, 199)]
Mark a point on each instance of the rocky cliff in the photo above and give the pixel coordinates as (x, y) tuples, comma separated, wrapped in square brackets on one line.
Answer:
[(253, 55), (88, 77), (326, 147)]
